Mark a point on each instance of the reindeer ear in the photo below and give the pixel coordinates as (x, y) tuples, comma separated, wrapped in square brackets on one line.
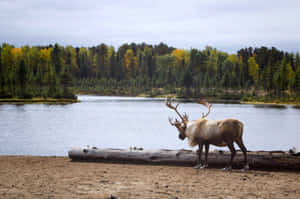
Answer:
[(186, 117), (170, 121)]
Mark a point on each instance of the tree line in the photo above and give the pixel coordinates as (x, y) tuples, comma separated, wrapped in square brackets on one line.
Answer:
[(57, 71), (28, 72)]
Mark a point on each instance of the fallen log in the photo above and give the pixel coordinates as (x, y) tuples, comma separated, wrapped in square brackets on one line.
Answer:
[(260, 160)]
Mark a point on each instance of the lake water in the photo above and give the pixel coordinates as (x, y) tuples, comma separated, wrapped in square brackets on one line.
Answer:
[(123, 122)]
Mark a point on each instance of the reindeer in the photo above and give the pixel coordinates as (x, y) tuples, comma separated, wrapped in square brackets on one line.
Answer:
[(205, 132)]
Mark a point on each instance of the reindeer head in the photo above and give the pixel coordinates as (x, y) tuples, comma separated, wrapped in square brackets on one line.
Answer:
[(180, 125)]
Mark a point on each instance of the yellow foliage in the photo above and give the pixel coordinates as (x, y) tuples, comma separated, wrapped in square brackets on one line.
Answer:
[(290, 72), (45, 54), (180, 55), (111, 49), (233, 58), (253, 68), (16, 52), (130, 63), (130, 59), (72, 51)]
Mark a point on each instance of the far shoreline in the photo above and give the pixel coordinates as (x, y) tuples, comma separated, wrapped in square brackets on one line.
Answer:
[(210, 99), (275, 102), (38, 101)]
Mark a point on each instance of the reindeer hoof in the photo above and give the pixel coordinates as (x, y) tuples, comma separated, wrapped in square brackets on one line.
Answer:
[(227, 168), (200, 166), (204, 166), (246, 168)]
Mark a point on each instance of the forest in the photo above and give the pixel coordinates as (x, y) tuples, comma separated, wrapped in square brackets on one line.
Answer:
[(55, 71)]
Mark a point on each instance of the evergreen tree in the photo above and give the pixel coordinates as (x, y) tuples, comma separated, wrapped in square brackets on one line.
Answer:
[(56, 58), (67, 82), (83, 63), (22, 79), (297, 75), (297, 82), (187, 80), (253, 69)]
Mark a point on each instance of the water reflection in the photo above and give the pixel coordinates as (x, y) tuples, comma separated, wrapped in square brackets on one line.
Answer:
[(296, 106), (279, 106)]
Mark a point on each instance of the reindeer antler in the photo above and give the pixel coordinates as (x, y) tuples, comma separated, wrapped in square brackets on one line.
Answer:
[(173, 123), (205, 103), (186, 117), (169, 104)]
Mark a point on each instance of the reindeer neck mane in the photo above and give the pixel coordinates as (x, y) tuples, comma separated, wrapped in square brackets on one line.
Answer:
[(192, 131)]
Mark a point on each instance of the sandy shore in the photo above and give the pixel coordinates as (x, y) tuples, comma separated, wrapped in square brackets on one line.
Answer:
[(59, 177)]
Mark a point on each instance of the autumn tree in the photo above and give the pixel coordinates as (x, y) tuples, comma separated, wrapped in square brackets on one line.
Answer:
[(7, 70), (130, 64)]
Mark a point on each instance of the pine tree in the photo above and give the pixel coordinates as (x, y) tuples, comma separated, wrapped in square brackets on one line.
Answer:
[(187, 80), (22, 79), (297, 81), (253, 69), (297, 75)]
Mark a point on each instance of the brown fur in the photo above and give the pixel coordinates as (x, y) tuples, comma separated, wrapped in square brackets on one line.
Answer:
[(216, 132), (205, 132)]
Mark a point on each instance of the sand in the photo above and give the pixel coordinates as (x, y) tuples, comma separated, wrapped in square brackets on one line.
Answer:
[(59, 177)]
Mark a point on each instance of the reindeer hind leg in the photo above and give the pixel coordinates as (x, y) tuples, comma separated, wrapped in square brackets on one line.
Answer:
[(240, 143), (233, 152), (199, 162)]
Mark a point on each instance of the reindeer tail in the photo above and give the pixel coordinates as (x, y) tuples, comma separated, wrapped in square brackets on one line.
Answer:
[(241, 126)]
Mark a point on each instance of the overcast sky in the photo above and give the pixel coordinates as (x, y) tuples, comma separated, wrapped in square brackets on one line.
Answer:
[(225, 24)]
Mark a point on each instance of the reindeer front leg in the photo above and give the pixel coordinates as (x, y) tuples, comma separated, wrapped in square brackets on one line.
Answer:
[(200, 149), (233, 152), (206, 155)]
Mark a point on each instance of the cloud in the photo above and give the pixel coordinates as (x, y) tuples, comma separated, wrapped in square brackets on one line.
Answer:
[(227, 25)]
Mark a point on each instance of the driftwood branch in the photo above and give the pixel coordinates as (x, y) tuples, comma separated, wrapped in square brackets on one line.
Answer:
[(266, 160)]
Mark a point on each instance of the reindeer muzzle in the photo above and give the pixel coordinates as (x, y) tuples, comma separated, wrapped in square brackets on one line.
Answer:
[(182, 137)]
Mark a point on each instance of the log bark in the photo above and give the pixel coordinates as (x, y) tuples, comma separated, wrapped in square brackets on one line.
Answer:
[(259, 160)]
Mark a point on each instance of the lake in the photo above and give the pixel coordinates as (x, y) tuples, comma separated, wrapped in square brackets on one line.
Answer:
[(123, 122)]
